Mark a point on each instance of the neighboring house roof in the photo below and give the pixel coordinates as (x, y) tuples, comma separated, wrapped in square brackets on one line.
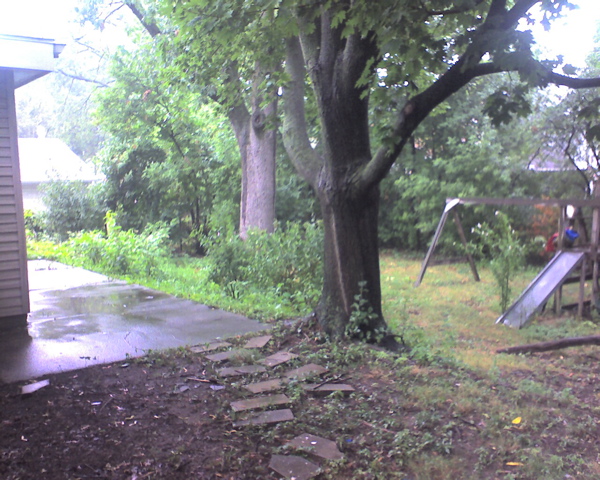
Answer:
[(46, 159), (548, 160)]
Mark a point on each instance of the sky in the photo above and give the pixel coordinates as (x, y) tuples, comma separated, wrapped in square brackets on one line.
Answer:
[(572, 36), (36, 18)]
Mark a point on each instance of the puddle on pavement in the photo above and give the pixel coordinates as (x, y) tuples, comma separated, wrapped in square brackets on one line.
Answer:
[(64, 314)]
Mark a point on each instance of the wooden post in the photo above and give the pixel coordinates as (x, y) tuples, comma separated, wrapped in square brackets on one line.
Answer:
[(582, 287), (594, 242)]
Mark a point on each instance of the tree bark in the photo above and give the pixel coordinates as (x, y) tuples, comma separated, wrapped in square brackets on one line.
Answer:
[(350, 211), (256, 140), (351, 262)]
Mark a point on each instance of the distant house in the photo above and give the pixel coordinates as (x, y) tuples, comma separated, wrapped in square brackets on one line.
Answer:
[(45, 159)]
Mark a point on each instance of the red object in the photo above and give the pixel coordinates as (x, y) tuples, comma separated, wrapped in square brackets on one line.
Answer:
[(551, 243)]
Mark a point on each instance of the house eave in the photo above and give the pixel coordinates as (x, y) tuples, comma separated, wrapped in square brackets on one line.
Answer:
[(28, 57)]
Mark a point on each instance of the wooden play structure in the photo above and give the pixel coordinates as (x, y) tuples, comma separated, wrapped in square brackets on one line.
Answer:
[(582, 256)]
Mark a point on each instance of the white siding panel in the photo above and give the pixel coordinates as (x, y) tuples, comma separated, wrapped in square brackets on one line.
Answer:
[(14, 288)]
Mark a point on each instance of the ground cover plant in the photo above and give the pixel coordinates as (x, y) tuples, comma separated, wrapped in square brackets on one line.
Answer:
[(447, 407)]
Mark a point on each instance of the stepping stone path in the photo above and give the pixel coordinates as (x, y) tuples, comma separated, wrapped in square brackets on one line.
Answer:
[(270, 416), (278, 358), (260, 402), (209, 347), (292, 466), (289, 466), (239, 371), (318, 446), (258, 342)]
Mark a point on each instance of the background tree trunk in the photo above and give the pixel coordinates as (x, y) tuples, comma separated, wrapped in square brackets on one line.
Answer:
[(257, 144), (257, 205)]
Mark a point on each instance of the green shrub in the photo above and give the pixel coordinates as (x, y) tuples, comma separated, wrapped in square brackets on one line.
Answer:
[(72, 206), (120, 252), (288, 262), (503, 245), (34, 223)]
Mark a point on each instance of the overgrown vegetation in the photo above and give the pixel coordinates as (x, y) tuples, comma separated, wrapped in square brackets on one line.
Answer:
[(448, 408), (72, 207), (267, 276), (288, 261)]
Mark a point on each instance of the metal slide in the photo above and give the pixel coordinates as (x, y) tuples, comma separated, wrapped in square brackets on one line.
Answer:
[(541, 288)]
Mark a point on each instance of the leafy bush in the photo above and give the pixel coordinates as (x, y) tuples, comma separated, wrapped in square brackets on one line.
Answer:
[(34, 223), (288, 262), (120, 252), (502, 244), (72, 206)]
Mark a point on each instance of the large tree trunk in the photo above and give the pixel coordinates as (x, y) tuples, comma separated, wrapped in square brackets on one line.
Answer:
[(257, 205), (351, 265), (338, 53), (349, 207), (257, 144)]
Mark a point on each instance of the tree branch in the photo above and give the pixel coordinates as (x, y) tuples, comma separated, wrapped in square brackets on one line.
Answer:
[(413, 113), (295, 131), (83, 79), (552, 345), (573, 82), (150, 27), (461, 73)]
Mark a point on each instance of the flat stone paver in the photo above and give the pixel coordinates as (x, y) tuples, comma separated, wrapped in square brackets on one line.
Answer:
[(34, 387), (258, 342), (278, 358), (209, 348), (239, 371), (271, 416), (317, 445), (328, 387), (260, 402), (266, 386), (294, 467), (307, 371), (222, 356)]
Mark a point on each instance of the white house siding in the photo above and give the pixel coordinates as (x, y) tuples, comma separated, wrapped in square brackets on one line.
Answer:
[(14, 289)]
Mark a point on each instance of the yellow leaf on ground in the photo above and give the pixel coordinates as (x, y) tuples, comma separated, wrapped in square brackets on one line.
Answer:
[(514, 464), (517, 420)]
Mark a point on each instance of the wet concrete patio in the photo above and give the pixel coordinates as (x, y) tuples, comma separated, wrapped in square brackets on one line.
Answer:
[(80, 318)]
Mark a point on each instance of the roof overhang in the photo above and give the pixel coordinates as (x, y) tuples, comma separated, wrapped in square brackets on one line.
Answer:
[(28, 57)]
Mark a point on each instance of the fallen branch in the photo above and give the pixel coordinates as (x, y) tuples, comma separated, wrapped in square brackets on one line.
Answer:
[(553, 345)]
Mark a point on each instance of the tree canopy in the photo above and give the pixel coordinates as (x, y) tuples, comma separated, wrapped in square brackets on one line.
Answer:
[(353, 80), (352, 63)]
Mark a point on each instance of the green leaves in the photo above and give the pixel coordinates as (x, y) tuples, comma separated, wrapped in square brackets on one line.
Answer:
[(505, 104)]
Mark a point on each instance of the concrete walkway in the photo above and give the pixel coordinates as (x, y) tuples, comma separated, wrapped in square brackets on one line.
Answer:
[(80, 318)]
